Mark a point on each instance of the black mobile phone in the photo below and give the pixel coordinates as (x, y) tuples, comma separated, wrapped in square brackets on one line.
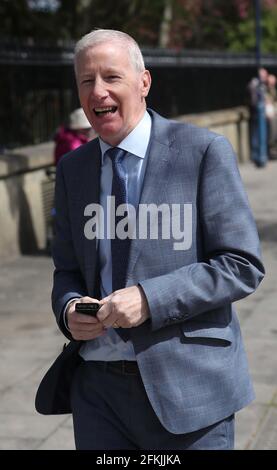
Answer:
[(90, 308)]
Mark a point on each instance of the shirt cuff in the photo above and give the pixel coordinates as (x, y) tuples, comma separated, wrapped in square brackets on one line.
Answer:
[(64, 312)]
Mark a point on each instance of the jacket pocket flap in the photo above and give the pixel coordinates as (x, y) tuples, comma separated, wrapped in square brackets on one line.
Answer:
[(207, 331)]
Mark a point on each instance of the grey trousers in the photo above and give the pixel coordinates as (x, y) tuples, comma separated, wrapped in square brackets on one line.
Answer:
[(111, 411)]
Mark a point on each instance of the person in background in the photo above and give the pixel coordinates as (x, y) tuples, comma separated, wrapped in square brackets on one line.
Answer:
[(271, 115), (76, 133), (256, 93)]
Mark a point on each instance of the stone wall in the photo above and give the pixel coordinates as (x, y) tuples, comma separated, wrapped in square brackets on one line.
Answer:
[(22, 221), (233, 123), (23, 175)]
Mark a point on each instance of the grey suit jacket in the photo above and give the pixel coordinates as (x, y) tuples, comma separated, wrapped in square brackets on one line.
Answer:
[(190, 353)]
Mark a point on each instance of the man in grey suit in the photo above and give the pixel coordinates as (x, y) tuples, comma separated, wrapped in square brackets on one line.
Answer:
[(162, 365)]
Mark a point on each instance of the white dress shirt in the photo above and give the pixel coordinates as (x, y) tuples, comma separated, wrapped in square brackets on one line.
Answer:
[(110, 347)]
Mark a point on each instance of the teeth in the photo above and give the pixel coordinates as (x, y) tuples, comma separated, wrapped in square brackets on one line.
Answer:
[(102, 110)]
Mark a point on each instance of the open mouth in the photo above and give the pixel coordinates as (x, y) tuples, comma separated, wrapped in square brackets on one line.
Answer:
[(106, 110)]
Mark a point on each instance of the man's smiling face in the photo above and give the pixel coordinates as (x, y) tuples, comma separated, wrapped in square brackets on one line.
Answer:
[(112, 92)]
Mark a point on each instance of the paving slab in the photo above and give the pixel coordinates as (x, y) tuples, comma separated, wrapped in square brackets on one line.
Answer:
[(266, 437), (29, 426), (62, 439), (18, 443), (258, 317), (247, 423)]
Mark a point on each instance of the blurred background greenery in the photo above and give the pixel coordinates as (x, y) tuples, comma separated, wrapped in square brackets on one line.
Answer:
[(201, 24), (201, 54)]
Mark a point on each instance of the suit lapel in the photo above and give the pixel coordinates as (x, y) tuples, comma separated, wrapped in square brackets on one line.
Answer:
[(160, 161)]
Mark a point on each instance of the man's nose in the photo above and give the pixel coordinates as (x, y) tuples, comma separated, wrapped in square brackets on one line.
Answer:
[(99, 89)]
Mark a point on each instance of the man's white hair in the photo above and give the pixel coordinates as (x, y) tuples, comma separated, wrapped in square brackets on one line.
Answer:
[(99, 36)]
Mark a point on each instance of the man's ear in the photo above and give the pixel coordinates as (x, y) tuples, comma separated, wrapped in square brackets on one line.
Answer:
[(146, 83)]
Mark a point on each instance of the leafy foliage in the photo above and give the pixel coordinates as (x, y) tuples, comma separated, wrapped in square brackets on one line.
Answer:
[(201, 24)]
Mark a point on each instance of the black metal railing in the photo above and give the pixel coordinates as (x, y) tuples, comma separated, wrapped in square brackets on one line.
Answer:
[(38, 91)]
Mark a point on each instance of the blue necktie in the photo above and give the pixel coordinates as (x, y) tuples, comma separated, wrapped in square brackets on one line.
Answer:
[(119, 247)]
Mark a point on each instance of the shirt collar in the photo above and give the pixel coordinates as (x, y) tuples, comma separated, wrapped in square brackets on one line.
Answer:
[(136, 142)]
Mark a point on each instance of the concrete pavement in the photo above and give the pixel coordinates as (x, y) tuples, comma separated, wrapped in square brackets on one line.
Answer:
[(30, 340)]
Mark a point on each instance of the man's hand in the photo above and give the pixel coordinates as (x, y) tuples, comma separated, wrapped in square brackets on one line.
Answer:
[(83, 327), (124, 308)]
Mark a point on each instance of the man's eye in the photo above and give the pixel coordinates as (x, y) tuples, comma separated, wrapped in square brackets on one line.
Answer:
[(87, 81)]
